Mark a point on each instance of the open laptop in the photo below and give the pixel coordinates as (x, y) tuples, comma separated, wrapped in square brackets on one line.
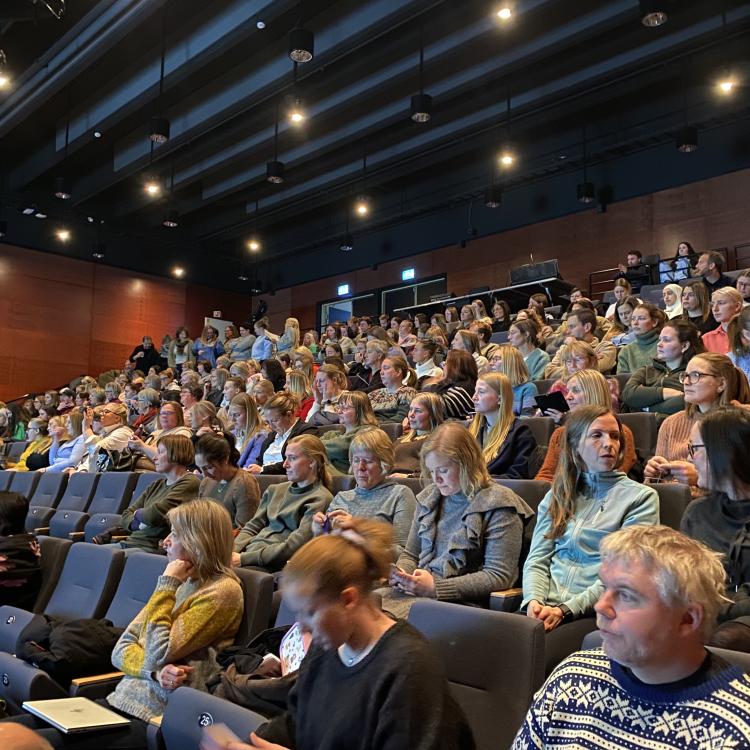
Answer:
[(71, 715)]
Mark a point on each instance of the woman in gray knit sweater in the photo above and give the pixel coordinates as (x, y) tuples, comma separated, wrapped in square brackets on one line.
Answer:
[(465, 540), (375, 496)]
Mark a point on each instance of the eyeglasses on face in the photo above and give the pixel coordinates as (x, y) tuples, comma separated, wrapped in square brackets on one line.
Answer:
[(693, 447), (694, 377)]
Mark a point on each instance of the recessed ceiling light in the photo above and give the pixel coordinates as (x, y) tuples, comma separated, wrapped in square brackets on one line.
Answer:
[(727, 85), (97, 134), (242, 277), (253, 244), (28, 211), (62, 234), (178, 271), (504, 13), (39, 214), (362, 206), (260, 24), (152, 188)]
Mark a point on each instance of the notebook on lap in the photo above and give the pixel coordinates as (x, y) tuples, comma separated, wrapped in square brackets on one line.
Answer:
[(71, 715)]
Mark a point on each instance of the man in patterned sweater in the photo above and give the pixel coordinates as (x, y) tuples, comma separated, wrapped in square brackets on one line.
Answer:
[(654, 684)]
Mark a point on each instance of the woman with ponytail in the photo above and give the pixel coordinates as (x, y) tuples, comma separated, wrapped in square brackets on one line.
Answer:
[(367, 680)]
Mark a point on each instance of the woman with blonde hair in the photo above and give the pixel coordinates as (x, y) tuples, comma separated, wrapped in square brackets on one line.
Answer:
[(297, 384), (329, 383), (426, 412), (355, 414), (544, 331), (589, 499), (507, 442), (585, 388), (740, 344), (726, 305), (248, 428), (68, 443), (357, 657), (283, 521), (391, 403), (510, 362), (709, 381), (289, 340), (261, 390), (304, 360), (204, 419), (376, 495), (696, 306), (465, 541)]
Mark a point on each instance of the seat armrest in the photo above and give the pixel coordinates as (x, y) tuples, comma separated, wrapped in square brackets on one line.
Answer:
[(155, 721), (154, 739), (507, 600), (96, 686), (76, 536), (97, 678), (42, 530)]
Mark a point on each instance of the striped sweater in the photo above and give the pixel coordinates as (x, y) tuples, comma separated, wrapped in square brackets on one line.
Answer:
[(591, 702), (182, 623)]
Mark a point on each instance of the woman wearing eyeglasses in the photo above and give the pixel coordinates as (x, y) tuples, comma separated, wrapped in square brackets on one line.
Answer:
[(355, 414), (575, 357), (710, 380), (721, 519)]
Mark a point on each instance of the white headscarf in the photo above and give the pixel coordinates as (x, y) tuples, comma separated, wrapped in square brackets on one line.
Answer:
[(674, 310)]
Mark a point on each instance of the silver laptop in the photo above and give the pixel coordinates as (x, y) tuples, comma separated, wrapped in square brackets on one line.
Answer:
[(71, 715)]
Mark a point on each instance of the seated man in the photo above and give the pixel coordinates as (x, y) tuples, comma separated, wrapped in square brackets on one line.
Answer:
[(654, 683), (581, 325), (636, 272)]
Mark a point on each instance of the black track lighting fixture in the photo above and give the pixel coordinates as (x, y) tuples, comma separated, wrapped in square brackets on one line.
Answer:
[(4, 72), (347, 243), (687, 140), (301, 45), (171, 219), (296, 114), (421, 103), (98, 251), (275, 168), (508, 155), (158, 131), (253, 242), (653, 13), (585, 191), (493, 196), (63, 190)]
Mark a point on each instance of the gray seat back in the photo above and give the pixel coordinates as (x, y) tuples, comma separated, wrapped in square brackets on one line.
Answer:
[(113, 492), (24, 482), (543, 386), (49, 490), (394, 430), (144, 480), (15, 449), (531, 490), (79, 491), (645, 430), (673, 499), (87, 582), (343, 482), (541, 427), (264, 480), (135, 587), (493, 682), (54, 551), (257, 588), (5, 477)]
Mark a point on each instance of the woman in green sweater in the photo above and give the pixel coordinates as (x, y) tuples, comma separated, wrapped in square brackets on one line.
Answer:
[(283, 521), (355, 413), (647, 321)]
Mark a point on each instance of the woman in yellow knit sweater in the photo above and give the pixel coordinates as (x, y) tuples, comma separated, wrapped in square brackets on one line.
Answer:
[(194, 612)]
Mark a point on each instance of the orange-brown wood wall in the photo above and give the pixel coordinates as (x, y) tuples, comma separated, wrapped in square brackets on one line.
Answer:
[(60, 317)]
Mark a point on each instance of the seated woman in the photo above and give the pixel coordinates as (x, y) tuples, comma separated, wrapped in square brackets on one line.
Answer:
[(248, 428), (710, 380), (621, 332), (376, 495), (335, 335), (585, 388), (146, 518), (280, 414), (273, 371), (20, 571), (467, 341), (105, 428), (423, 355), (193, 614), (672, 296), (589, 499), (452, 319), (647, 321), (426, 412), (507, 442), (621, 290), (329, 384), (721, 518), (457, 386), (657, 387), (213, 390), (544, 331), (68, 442), (679, 267), (37, 433), (299, 386), (465, 541), (524, 336), (357, 658), (696, 306), (355, 413), (283, 521), (261, 390), (171, 422), (506, 359), (739, 352), (575, 357), (391, 403), (501, 316), (223, 481), (726, 305), (204, 419), (406, 336)]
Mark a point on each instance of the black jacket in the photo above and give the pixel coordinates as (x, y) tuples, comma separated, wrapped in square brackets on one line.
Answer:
[(299, 428), (149, 359)]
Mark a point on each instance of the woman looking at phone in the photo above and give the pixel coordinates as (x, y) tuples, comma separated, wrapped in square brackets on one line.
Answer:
[(585, 388)]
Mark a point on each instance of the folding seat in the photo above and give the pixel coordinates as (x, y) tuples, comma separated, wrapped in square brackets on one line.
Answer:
[(541, 427), (531, 490), (494, 662), (543, 386), (673, 499), (24, 482), (343, 482), (15, 449), (112, 495), (144, 480), (53, 554), (413, 483), (85, 588), (394, 430), (257, 587), (77, 496), (189, 711), (645, 430), (5, 477), (264, 480), (49, 490), (622, 380)]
